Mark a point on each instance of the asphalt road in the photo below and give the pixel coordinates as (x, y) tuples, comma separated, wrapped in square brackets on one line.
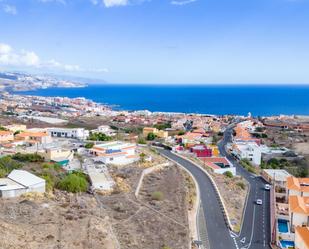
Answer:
[(255, 231), (219, 236)]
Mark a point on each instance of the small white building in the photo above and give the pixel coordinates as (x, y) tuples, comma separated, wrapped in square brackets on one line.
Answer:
[(248, 150), (101, 180), (118, 153), (106, 129), (19, 182), (78, 133)]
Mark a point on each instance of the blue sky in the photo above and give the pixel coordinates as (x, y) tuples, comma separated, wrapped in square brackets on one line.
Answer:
[(159, 41)]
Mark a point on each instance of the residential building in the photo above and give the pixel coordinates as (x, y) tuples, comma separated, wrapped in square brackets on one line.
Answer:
[(219, 165), (16, 127), (298, 211), (276, 176), (77, 133), (34, 138), (298, 186), (19, 182), (57, 154), (158, 133), (250, 151), (6, 136), (201, 151), (302, 238), (118, 153)]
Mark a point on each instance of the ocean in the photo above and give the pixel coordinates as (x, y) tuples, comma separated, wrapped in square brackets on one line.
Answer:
[(260, 100)]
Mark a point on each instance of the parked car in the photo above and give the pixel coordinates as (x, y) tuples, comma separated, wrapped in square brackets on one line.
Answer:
[(267, 187), (259, 202)]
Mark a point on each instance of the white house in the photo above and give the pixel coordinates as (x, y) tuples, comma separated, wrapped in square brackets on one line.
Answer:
[(118, 153), (19, 182), (78, 133), (248, 150)]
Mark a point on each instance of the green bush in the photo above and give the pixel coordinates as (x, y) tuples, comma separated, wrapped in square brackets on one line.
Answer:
[(228, 174), (99, 136), (50, 181), (52, 166), (7, 164), (163, 126), (151, 136), (89, 145), (157, 196), (28, 157), (241, 185), (73, 183), (141, 140)]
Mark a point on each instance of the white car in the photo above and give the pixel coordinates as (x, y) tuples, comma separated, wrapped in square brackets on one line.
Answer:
[(259, 202), (267, 187)]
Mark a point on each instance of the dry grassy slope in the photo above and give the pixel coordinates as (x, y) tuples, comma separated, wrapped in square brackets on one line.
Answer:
[(66, 223)]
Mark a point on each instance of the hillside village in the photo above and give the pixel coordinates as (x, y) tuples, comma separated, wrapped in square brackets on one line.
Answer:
[(54, 150)]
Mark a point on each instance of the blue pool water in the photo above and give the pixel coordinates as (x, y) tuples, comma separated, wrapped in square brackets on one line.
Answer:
[(287, 244), (283, 226)]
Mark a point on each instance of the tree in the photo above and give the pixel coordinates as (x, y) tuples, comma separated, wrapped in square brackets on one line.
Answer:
[(151, 136)]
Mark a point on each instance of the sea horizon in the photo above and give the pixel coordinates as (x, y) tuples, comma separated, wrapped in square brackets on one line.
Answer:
[(215, 99)]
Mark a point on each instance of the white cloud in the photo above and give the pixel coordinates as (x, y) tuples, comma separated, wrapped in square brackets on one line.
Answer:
[(23, 58), (10, 9), (181, 3), (113, 3)]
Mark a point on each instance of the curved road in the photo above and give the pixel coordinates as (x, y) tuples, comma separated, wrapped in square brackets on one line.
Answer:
[(218, 233), (255, 232)]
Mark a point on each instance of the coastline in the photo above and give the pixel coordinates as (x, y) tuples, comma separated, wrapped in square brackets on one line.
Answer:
[(260, 100)]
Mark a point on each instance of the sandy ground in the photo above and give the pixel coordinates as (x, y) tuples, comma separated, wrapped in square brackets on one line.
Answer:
[(65, 222), (147, 223)]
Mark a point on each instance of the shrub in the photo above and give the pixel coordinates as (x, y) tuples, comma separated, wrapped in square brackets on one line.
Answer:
[(7, 164), (180, 133), (141, 140), (89, 145), (228, 174), (241, 185), (73, 183), (157, 196), (28, 157), (251, 170), (50, 181), (163, 126), (151, 136), (52, 166), (99, 136)]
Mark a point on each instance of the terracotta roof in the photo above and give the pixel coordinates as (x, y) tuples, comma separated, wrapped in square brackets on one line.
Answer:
[(299, 204), (298, 184), (215, 160), (32, 134), (5, 133), (303, 233)]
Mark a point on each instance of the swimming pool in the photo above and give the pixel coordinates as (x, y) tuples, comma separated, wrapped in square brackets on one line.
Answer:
[(287, 244), (283, 226)]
